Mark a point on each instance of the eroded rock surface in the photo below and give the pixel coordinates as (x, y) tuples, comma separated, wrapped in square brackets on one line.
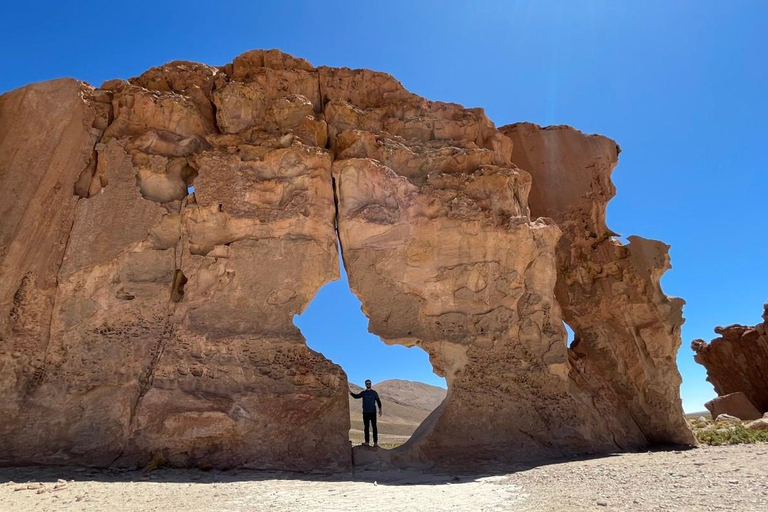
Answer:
[(734, 404), (47, 136), (626, 331), (439, 247), (140, 318), (166, 326), (737, 360)]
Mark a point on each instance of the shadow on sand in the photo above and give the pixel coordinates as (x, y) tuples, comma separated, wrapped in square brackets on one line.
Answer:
[(390, 476)]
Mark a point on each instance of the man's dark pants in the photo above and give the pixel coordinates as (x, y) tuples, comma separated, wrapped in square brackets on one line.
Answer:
[(370, 417)]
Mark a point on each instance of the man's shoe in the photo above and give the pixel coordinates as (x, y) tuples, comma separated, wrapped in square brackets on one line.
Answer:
[(365, 444), (375, 445)]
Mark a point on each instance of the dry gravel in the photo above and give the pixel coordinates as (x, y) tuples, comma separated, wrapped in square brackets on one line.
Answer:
[(730, 478)]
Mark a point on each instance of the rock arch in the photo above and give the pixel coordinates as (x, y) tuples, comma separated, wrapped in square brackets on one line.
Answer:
[(107, 361)]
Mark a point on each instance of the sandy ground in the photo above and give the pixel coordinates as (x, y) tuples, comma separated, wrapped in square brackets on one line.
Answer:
[(385, 440), (732, 478)]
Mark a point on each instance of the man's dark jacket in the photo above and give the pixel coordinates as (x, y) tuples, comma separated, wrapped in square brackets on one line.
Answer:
[(370, 399)]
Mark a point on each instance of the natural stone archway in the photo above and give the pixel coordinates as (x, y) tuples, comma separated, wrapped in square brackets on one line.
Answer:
[(136, 319), (335, 326), (440, 248)]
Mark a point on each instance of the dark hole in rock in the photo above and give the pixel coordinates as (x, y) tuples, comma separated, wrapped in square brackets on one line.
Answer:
[(179, 280)]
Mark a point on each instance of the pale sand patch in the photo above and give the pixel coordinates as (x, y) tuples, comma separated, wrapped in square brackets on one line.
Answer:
[(385, 440), (704, 479)]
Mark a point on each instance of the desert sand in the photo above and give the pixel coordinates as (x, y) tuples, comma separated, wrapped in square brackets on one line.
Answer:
[(701, 479)]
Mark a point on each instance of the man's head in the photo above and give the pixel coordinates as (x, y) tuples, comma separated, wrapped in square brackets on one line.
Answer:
[(368, 384)]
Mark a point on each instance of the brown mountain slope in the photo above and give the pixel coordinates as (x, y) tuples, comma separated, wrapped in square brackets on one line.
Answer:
[(412, 394), (405, 405)]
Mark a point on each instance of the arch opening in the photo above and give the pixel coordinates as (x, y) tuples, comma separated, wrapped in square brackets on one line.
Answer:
[(335, 325), (571, 340)]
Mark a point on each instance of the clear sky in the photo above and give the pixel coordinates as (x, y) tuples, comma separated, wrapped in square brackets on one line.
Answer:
[(680, 85)]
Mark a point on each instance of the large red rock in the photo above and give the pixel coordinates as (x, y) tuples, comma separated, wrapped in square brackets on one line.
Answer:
[(139, 319), (737, 361)]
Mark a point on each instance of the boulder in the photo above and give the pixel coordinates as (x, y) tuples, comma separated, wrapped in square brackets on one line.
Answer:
[(733, 404), (727, 418), (701, 422), (761, 424)]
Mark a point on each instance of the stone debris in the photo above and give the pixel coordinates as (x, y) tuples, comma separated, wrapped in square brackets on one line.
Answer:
[(761, 424)]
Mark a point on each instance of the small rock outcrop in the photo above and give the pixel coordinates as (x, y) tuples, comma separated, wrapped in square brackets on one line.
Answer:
[(159, 321), (734, 404), (727, 418), (737, 361), (139, 318)]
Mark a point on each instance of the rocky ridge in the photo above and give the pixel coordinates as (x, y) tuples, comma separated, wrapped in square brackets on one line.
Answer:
[(138, 319)]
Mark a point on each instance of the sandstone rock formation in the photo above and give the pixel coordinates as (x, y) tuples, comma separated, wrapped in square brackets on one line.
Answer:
[(737, 361), (157, 321), (137, 318), (626, 331)]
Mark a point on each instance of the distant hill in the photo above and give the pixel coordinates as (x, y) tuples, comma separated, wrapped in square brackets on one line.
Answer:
[(405, 404), (694, 415)]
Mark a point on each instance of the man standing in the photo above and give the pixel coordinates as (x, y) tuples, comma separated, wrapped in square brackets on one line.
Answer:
[(370, 399)]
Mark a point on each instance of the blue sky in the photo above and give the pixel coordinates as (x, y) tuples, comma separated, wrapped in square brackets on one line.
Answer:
[(680, 85)]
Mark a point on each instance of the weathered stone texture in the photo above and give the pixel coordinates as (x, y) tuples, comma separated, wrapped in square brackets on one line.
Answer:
[(141, 319), (626, 331), (737, 361), (439, 247), (734, 404), (168, 328), (47, 134)]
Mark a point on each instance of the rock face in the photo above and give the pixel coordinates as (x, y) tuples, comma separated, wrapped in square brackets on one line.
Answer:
[(138, 318), (166, 323), (737, 361), (734, 404), (626, 331)]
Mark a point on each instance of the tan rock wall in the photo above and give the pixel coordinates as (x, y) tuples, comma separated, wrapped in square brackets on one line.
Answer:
[(47, 134)]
